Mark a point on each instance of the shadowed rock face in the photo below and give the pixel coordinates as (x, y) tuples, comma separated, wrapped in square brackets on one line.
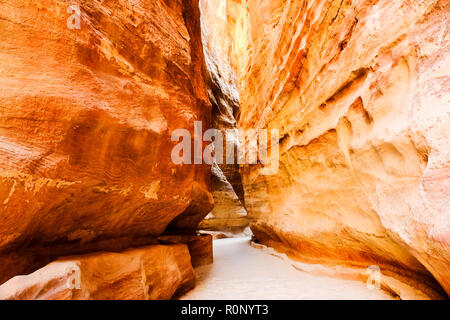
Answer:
[(359, 91), (86, 120)]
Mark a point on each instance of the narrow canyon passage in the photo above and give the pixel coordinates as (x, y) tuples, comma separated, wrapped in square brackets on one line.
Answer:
[(112, 112), (241, 271)]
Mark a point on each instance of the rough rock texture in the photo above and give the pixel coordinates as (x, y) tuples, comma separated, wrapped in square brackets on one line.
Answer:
[(86, 119), (150, 273), (360, 93)]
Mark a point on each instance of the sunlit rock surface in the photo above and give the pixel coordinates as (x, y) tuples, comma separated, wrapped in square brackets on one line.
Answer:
[(360, 93), (149, 273), (86, 120), (229, 213)]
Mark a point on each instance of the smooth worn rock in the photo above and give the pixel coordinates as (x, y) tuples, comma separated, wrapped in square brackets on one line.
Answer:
[(150, 273), (359, 91), (86, 121)]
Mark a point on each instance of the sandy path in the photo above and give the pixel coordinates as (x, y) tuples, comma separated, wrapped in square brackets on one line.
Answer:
[(243, 272)]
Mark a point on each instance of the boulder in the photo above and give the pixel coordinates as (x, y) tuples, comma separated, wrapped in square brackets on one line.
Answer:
[(149, 273)]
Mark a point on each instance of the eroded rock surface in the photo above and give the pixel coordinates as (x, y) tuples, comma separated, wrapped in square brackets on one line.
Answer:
[(360, 93), (229, 214), (150, 273), (86, 121)]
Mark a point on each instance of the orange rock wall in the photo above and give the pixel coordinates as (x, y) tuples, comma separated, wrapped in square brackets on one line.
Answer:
[(86, 120), (359, 90)]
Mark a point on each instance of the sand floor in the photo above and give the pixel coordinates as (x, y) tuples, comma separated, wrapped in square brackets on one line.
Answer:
[(241, 271)]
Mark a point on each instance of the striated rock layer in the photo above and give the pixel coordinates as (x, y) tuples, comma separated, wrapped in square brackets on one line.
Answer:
[(85, 126), (360, 93)]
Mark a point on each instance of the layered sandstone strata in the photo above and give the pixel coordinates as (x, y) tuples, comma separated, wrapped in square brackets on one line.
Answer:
[(360, 93), (85, 126)]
